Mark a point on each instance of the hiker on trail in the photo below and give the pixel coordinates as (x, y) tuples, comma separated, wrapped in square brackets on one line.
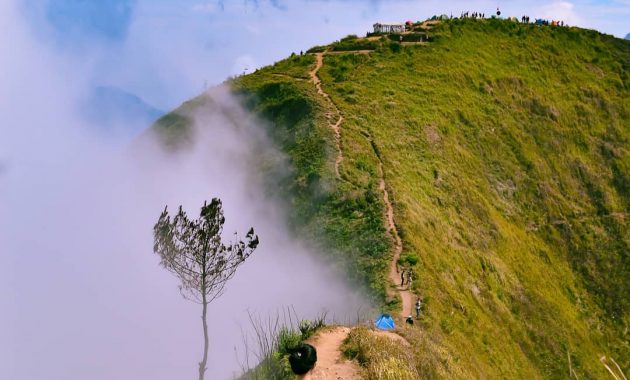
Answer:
[(418, 306), (402, 277), (409, 278), (409, 320)]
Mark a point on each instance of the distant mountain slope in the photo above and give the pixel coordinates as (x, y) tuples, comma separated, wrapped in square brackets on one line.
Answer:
[(505, 148), (109, 106)]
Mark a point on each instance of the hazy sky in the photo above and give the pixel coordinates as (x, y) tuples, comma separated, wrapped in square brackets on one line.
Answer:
[(165, 50), (81, 294)]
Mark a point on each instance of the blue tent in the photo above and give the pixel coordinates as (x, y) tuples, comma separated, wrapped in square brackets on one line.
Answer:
[(384, 322)]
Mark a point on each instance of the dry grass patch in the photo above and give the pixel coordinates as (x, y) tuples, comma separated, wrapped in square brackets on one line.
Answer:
[(380, 357)]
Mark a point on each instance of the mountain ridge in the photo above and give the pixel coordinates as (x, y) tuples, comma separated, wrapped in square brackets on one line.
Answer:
[(504, 150)]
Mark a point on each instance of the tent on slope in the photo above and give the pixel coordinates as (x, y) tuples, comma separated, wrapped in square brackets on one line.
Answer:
[(384, 322)]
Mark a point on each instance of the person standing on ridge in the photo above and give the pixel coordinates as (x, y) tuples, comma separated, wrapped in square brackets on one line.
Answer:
[(409, 278), (402, 277), (418, 306)]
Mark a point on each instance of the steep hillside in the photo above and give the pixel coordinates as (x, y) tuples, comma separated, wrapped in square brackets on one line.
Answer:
[(504, 151)]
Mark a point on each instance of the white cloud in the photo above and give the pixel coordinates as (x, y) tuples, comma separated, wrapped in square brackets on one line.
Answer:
[(560, 10), (252, 28), (209, 7), (244, 64)]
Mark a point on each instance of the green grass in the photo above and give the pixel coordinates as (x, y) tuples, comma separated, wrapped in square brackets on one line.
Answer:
[(506, 153), (383, 358), (340, 217), (275, 341)]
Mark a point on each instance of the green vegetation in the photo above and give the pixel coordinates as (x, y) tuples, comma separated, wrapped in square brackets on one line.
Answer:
[(382, 358), (344, 218), (408, 37), (296, 66), (505, 148), (275, 341), (353, 43)]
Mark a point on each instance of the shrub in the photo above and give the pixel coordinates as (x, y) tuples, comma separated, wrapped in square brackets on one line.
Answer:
[(411, 37), (317, 49), (287, 340), (353, 44), (395, 47), (308, 328), (274, 340), (408, 259)]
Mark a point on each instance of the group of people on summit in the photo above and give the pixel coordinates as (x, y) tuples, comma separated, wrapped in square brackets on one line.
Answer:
[(524, 19), (540, 21), (472, 15)]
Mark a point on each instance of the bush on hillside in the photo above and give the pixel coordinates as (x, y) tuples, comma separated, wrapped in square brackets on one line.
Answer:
[(395, 47), (408, 259), (411, 37), (317, 49), (350, 37), (275, 342), (354, 44)]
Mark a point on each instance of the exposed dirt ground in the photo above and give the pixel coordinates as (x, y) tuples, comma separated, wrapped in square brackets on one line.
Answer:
[(330, 362)]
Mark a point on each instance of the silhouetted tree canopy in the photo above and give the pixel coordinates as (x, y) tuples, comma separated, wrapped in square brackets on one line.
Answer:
[(193, 250)]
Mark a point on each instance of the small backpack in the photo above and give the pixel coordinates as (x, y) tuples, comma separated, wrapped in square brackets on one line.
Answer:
[(303, 358)]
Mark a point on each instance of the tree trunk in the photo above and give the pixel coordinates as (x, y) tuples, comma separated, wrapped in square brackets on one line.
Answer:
[(204, 361)]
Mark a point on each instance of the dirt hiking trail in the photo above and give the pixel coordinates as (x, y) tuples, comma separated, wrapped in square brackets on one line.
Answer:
[(335, 125), (394, 275), (330, 362), (335, 119)]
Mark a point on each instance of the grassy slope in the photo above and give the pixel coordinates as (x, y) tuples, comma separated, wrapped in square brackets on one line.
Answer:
[(505, 148), (341, 217)]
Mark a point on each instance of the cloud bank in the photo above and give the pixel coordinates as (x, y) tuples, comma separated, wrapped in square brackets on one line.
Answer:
[(83, 295)]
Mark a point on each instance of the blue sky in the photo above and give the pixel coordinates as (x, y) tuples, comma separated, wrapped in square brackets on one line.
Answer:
[(74, 19), (165, 50)]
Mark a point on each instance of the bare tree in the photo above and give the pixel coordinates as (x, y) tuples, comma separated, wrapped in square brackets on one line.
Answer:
[(194, 252)]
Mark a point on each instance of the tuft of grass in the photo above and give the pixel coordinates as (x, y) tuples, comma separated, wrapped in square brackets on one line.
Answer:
[(273, 341), (381, 358)]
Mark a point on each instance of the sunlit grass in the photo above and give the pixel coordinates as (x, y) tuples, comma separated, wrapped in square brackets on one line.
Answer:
[(505, 149)]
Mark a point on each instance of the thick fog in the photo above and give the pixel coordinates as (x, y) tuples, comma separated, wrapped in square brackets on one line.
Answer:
[(82, 294)]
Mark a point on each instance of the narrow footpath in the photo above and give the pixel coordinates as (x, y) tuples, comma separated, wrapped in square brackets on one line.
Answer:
[(330, 362), (394, 275), (334, 118)]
